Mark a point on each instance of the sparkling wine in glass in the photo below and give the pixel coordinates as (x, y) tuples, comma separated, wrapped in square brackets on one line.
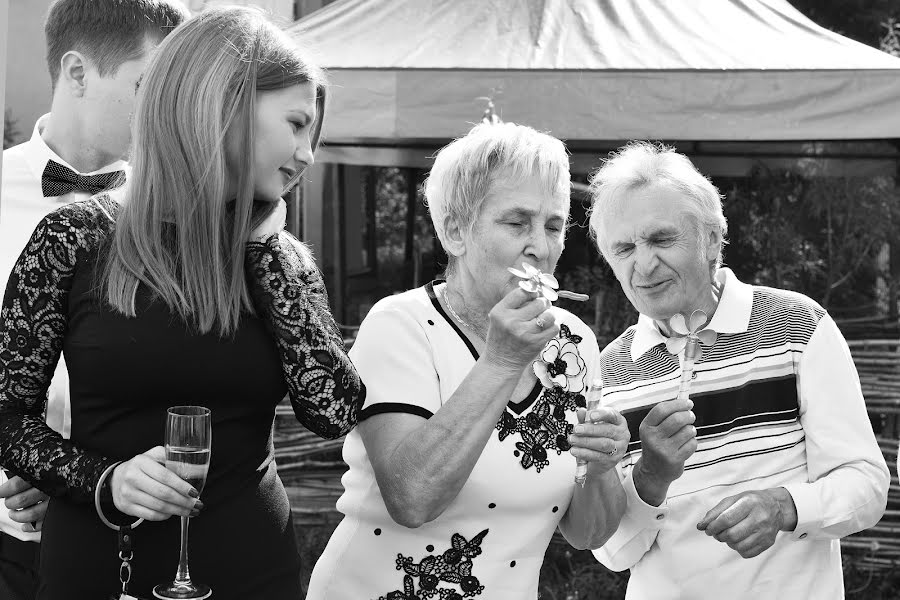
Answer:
[(188, 446)]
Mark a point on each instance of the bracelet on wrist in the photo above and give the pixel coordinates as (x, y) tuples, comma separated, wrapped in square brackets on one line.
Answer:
[(100, 484)]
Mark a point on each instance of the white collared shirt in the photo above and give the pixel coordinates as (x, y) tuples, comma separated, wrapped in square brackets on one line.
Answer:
[(22, 206), (778, 404)]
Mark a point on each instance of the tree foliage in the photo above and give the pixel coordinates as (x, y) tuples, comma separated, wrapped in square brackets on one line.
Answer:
[(817, 235), (866, 21)]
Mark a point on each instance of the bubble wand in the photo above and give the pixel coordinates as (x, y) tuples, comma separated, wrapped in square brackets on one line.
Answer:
[(688, 339), (544, 284), (592, 402)]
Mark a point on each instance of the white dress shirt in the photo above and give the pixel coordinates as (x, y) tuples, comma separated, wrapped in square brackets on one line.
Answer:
[(22, 206), (778, 404)]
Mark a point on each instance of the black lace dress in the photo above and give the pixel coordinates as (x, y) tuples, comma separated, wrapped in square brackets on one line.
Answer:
[(125, 372)]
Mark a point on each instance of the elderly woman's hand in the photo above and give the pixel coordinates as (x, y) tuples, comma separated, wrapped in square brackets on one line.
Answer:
[(144, 487), (521, 324), (602, 440)]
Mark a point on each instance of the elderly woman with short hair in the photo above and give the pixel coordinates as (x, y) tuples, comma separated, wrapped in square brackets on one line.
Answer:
[(462, 465)]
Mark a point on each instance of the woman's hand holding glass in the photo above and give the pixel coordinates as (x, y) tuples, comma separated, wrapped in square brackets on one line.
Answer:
[(143, 487), (600, 438), (520, 325)]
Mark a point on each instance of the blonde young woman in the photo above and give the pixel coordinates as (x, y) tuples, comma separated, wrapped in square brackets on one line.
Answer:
[(183, 291)]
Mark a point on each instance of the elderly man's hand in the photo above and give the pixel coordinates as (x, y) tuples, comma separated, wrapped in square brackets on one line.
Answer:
[(668, 439), (749, 522), (27, 504)]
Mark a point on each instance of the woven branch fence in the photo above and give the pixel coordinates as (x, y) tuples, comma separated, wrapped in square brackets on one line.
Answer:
[(875, 347)]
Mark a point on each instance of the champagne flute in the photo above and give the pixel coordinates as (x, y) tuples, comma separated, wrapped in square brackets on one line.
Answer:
[(188, 446)]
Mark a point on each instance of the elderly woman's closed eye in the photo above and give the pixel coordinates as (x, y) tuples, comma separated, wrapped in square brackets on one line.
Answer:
[(462, 466)]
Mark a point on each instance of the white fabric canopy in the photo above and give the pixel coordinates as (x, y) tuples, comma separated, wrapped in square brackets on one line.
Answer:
[(599, 70)]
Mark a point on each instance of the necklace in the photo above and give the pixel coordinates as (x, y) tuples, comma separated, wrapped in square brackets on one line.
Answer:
[(456, 316)]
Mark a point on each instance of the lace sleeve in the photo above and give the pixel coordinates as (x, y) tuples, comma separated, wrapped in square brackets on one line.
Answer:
[(324, 388), (32, 327)]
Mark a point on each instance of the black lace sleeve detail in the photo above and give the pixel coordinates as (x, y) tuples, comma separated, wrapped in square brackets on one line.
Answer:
[(289, 294), (32, 327)]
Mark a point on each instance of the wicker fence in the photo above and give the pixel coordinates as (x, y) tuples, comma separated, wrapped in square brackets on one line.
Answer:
[(875, 347)]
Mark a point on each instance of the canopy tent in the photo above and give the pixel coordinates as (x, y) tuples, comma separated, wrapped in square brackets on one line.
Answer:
[(732, 82), (599, 69)]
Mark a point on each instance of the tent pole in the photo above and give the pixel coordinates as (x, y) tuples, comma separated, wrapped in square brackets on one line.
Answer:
[(313, 198), (371, 241), (338, 244), (894, 251), (295, 212), (409, 278)]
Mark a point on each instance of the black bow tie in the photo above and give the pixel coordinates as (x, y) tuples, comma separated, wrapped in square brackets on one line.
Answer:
[(58, 180)]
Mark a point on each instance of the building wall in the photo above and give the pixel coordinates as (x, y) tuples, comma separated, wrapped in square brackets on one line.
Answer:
[(4, 32), (27, 80), (4, 29)]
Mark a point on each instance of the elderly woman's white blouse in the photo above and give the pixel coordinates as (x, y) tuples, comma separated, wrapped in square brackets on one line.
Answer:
[(491, 539)]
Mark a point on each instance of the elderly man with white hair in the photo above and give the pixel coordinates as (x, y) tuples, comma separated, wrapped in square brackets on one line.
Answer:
[(745, 489)]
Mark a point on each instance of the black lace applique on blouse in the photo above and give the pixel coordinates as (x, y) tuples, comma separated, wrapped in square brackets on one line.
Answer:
[(453, 566), (545, 428), (287, 290)]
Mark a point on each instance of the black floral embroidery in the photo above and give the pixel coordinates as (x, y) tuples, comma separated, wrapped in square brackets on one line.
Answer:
[(533, 448), (453, 566), (545, 429), (506, 425), (565, 332), (560, 363)]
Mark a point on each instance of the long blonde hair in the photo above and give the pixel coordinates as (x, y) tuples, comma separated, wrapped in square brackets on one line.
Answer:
[(201, 84)]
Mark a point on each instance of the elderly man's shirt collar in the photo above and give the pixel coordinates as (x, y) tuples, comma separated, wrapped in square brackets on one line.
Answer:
[(732, 315)]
